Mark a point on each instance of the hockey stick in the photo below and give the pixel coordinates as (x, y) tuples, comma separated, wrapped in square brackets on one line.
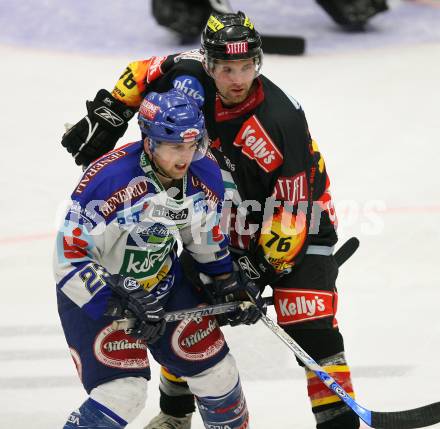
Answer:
[(190, 313), (341, 256), (346, 250), (407, 419)]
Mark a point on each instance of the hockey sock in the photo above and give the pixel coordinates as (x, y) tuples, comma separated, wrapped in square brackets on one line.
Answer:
[(175, 397), (93, 415), (340, 416), (229, 410), (329, 411)]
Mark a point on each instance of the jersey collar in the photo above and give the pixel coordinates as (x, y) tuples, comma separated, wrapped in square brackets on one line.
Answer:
[(223, 113)]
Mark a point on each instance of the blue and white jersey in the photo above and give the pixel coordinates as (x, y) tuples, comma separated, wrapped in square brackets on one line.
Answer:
[(122, 220)]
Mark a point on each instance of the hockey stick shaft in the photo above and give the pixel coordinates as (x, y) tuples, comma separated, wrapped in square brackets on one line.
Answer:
[(407, 419), (346, 250), (311, 364), (190, 313), (343, 253)]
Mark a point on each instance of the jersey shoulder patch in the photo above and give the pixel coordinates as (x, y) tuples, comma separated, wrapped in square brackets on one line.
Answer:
[(191, 86)]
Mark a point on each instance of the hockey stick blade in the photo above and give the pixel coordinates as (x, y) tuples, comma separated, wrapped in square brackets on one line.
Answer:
[(416, 418), (346, 250), (407, 419), (283, 45)]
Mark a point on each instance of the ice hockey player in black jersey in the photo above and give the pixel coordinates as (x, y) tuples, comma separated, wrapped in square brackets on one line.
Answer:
[(282, 221)]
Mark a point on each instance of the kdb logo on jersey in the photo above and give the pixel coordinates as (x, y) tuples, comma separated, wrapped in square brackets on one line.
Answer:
[(116, 349), (191, 87), (197, 340)]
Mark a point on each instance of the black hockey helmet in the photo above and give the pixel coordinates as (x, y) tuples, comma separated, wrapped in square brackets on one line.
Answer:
[(231, 36)]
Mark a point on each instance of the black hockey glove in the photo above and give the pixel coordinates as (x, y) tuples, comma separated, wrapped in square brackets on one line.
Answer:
[(239, 288), (255, 267), (132, 299), (97, 133)]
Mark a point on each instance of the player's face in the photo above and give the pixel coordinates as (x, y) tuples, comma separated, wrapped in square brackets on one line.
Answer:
[(234, 79), (174, 158)]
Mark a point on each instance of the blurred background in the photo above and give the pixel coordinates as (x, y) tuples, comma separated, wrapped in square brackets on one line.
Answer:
[(119, 27)]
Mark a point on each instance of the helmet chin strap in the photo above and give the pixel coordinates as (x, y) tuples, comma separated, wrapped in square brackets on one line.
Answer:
[(154, 166), (159, 170), (173, 182)]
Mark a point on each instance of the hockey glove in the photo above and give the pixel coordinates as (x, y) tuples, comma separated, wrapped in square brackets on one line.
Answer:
[(256, 268), (132, 299), (239, 288), (97, 133)]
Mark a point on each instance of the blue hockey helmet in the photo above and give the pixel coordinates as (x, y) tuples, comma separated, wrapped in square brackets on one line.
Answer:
[(173, 117)]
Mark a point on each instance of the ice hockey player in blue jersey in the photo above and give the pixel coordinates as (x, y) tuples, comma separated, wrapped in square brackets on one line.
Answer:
[(116, 252)]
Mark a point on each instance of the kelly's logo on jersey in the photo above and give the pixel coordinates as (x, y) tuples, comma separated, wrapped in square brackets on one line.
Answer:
[(298, 305), (256, 144)]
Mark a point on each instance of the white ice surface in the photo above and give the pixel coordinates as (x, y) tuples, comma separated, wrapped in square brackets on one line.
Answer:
[(375, 115)]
